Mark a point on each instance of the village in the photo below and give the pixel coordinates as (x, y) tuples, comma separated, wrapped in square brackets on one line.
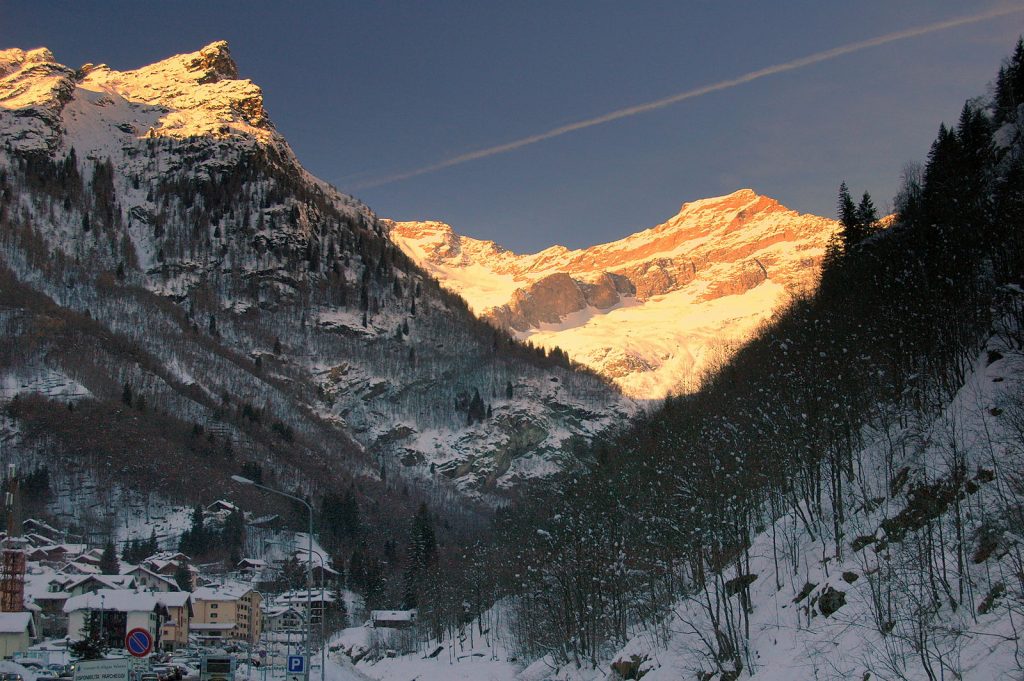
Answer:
[(63, 602)]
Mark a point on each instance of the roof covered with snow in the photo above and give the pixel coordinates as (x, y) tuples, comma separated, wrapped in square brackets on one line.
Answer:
[(111, 581), (393, 615), (221, 592), (15, 622), (126, 600)]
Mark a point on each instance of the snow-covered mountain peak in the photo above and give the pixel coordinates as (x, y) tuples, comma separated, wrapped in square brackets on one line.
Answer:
[(737, 200), (214, 60), (649, 310), (198, 94), (14, 57), (31, 78)]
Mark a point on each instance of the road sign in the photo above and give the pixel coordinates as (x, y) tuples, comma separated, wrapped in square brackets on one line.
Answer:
[(296, 664), (139, 642), (102, 670)]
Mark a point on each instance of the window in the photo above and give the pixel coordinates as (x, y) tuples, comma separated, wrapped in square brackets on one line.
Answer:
[(213, 606)]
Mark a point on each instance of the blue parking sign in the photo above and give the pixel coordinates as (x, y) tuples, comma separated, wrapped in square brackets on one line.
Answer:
[(296, 664)]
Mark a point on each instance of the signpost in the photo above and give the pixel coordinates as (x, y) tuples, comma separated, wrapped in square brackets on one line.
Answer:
[(102, 670), (139, 642), (296, 667)]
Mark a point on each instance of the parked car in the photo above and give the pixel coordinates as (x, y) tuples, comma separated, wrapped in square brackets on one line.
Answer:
[(11, 676), (144, 676), (167, 672)]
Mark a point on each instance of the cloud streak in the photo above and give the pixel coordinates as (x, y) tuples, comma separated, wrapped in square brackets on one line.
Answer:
[(637, 109)]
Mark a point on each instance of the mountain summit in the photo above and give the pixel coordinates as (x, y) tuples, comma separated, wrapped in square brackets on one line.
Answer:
[(652, 311), (189, 95)]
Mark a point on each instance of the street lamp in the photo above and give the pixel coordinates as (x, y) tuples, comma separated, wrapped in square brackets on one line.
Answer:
[(323, 638), (309, 563)]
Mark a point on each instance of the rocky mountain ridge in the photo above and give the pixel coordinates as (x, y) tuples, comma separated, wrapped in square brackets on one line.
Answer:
[(262, 316), (194, 95), (651, 311)]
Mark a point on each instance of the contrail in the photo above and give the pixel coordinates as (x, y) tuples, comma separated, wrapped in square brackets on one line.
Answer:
[(810, 59)]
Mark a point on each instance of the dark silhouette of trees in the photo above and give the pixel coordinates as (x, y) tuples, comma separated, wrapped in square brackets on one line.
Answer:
[(421, 555), (108, 564)]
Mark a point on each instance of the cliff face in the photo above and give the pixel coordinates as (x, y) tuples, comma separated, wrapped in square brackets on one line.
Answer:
[(652, 310)]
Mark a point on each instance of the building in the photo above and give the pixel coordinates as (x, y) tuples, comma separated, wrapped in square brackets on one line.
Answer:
[(56, 554), (320, 601), (77, 567), (166, 562), (221, 509), (93, 556), (227, 612), (17, 629), (253, 568), (46, 590), (117, 611), (392, 619), (281, 620), (93, 583), (151, 580), (176, 627)]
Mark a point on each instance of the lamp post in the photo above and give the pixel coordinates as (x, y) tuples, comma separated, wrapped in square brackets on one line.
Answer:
[(309, 563), (323, 638), (103, 633)]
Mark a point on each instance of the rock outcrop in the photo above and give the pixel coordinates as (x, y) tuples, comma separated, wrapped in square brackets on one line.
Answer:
[(186, 96)]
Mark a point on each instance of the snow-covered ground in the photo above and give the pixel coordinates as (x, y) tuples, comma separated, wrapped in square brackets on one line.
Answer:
[(676, 336), (472, 656), (817, 616)]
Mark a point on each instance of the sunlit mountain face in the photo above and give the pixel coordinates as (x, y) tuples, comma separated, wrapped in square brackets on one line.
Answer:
[(653, 311)]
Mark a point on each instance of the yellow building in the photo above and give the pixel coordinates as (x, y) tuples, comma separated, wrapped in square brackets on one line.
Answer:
[(226, 613), (174, 629)]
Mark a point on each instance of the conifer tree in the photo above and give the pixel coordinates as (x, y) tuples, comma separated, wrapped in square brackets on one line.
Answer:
[(108, 560), (183, 576), (1010, 86), (420, 555), (847, 212), (90, 645), (867, 216)]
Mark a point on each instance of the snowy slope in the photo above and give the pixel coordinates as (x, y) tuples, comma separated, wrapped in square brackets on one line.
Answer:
[(173, 214), (652, 311), (871, 614)]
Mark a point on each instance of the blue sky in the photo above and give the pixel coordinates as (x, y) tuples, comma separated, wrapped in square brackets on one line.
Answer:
[(368, 90)]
